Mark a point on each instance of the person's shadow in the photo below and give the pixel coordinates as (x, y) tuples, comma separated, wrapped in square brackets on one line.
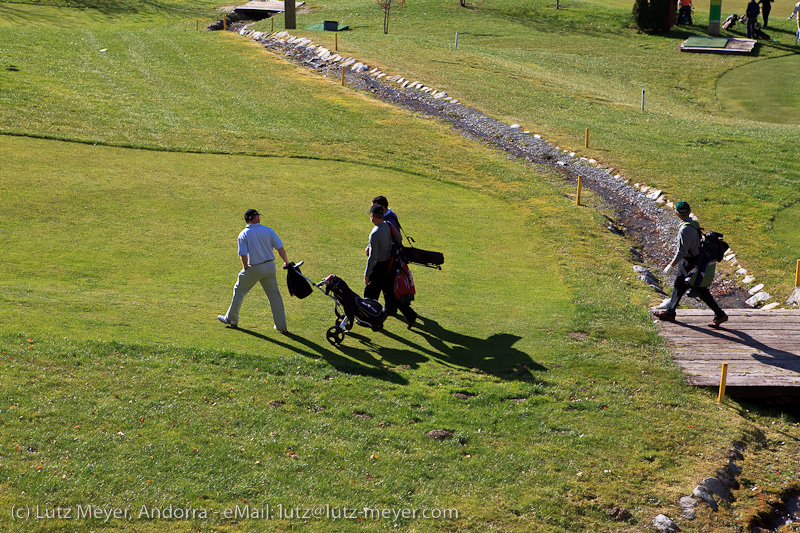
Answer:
[(494, 355), (769, 355), (361, 363)]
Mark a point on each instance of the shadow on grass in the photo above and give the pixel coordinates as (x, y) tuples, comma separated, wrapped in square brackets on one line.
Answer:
[(494, 355), (360, 364)]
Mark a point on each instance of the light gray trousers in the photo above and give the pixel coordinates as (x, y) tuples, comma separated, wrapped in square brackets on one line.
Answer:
[(265, 273)]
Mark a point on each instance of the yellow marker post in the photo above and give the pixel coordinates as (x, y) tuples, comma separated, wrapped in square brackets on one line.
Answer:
[(342, 75), (271, 24), (580, 185), (336, 42), (722, 379), (797, 275), (225, 23), (586, 141), (197, 26)]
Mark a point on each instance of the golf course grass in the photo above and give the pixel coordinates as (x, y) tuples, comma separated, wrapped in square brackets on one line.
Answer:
[(132, 144)]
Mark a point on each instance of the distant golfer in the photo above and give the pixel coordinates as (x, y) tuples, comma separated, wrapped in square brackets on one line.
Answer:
[(752, 11), (766, 7), (256, 243), (685, 258), (388, 215)]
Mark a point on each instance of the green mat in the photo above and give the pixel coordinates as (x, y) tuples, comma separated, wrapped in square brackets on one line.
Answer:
[(321, 27), (705, 42)]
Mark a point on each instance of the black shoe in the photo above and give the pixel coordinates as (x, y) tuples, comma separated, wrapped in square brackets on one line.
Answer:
[(412, 321), (667, 316)]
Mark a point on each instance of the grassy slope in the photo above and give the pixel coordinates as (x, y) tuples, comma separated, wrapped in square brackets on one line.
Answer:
[(560, 300), (559, 72)]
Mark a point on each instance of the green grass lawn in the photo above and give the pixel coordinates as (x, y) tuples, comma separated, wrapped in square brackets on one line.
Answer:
[(131, 146), (718, 130)]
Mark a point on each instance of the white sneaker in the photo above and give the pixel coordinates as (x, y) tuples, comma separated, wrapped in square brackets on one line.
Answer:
[(224, 320)]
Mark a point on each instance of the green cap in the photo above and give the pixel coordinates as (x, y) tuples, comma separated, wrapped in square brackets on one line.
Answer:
[(683, 208)]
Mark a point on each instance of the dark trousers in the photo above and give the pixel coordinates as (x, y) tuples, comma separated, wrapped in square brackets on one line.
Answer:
[(680, 288), (751, 27), (381, 280), (765, 13)]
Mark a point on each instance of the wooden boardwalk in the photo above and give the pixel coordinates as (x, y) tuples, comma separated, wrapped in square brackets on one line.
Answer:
[(762, 349), (274, 6)]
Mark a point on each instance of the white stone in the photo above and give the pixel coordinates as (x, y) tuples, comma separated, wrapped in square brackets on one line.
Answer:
[(670, 204), (794, 299), (655, 194), (661, 199), (592, 161), (742, 271), (768, 307), (571, 154), (756, 288), (404, 84), (381, 75), (748, 279), (729, 257), (515, 126), (759, 298), (439, 95), (561, 163), (537, 136), (348, 62), (448, 98)]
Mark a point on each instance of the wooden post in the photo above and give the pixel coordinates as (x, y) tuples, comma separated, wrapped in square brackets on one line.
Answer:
[(272, 24), (714, 16), (289, 17), (586, 140), (722, 379), (797, 275), (336, 41), (197, 26), (580, 186), (342, 75), (225, 23)]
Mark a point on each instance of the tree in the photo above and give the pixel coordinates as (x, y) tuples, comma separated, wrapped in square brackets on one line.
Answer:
[(654, 15), (386, 5)]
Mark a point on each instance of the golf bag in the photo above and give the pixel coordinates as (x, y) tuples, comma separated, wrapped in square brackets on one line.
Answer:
[(423, 257), (298, 284), (730, 22), (365, 312), (712, 249)]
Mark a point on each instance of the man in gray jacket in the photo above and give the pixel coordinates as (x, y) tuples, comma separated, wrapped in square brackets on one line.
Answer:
[(685, 258)]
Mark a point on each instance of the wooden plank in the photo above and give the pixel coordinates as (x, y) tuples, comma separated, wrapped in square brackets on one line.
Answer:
[(269, 5), (762, 348), (741, 312)]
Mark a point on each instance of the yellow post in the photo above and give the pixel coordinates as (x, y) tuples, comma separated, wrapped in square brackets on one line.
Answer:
[(797, 275), (225, 23), (342, 75), (722, 379), (197, 26), (586, 143), (336, 42), (271, 24), (580, 185)]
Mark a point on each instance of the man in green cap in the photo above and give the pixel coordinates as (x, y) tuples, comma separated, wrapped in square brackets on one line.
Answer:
[(685, 258)]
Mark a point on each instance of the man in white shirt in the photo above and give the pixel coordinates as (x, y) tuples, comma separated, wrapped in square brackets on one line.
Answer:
[(256, 243)]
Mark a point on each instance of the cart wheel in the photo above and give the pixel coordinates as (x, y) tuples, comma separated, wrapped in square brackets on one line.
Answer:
[(335, 336)]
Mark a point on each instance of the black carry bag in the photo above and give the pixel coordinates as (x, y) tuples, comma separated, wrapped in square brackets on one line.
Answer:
[(298, 285), (423, 257)]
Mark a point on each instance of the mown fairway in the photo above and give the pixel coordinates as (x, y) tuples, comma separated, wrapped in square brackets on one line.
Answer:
[(133, 144)]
